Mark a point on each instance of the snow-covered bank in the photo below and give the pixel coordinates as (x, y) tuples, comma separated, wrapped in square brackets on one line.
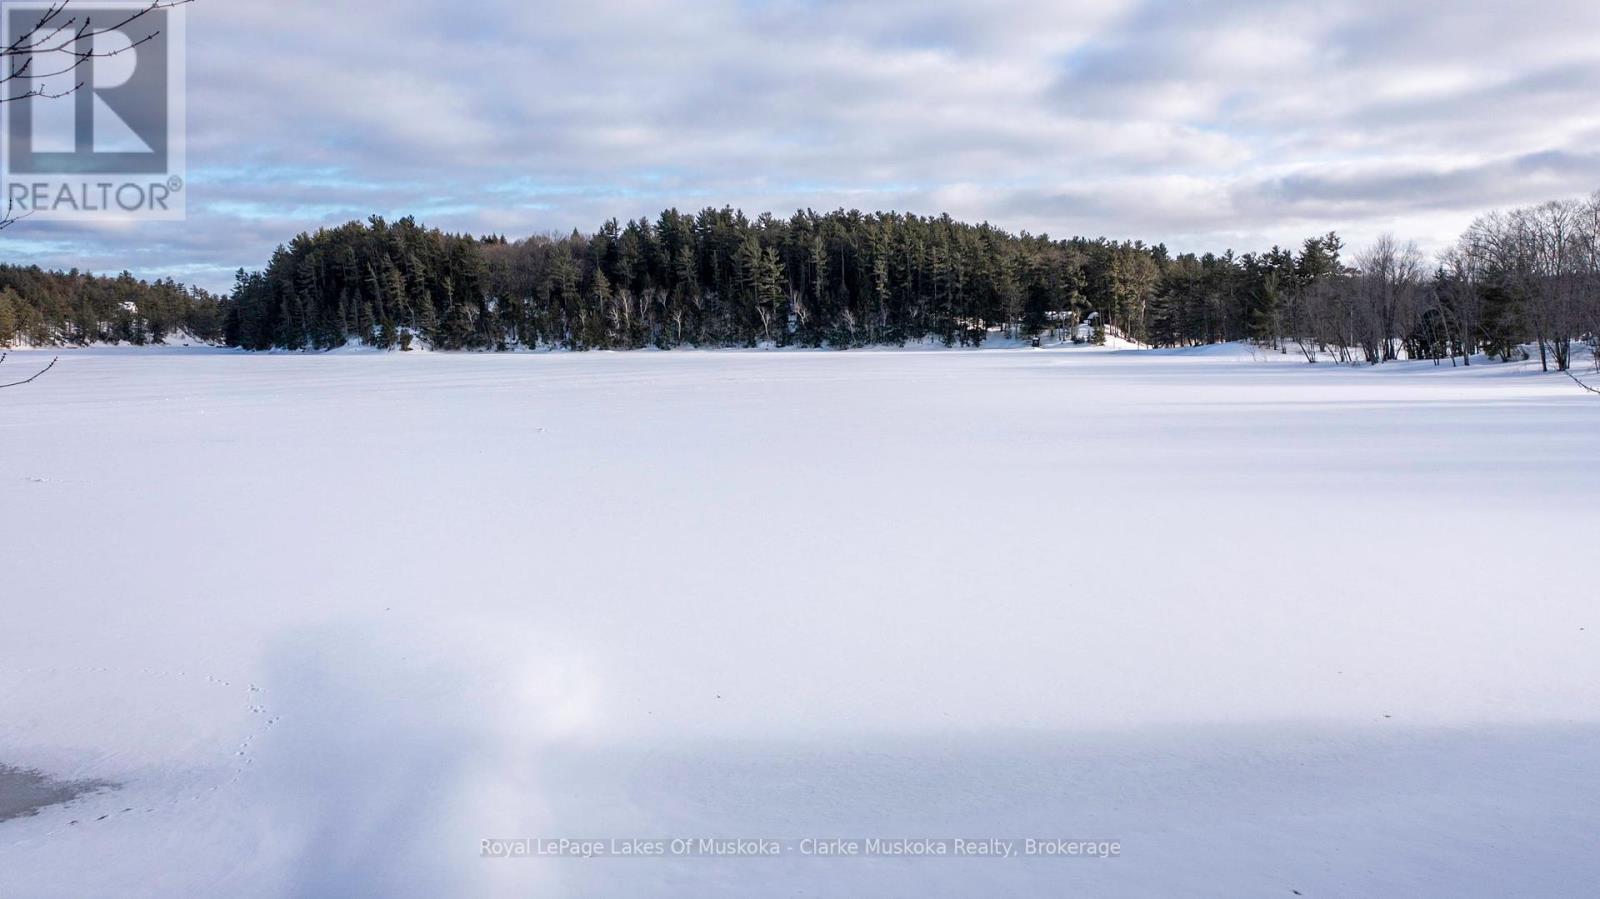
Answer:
[(330, 621)]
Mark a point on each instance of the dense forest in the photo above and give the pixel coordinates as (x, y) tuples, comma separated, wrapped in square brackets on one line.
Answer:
[(1528, 277), (39, 307), (718, 278), (845, 279)]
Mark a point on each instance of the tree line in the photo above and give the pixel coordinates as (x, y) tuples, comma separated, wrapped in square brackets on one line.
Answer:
[(1527, 276), (716, 278), (845, 278), (45, 308)]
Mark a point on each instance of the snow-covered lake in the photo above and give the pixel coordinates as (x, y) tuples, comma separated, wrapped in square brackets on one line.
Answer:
[(330, 622)]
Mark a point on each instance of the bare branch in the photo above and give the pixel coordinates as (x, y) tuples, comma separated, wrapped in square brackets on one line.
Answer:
[(11, 217), (50, 36), (25, 44), (1580, 383), (44, 22), (36, 375)]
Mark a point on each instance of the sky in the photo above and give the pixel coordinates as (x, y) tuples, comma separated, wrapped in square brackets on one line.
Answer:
[(1204, 126)]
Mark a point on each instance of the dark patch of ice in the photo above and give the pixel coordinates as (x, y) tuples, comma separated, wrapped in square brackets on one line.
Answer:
[(24, 792)]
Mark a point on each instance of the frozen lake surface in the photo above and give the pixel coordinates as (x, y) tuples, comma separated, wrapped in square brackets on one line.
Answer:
[(331, 622)]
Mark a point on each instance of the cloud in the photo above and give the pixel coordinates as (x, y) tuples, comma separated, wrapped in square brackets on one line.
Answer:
[(1199, 124)]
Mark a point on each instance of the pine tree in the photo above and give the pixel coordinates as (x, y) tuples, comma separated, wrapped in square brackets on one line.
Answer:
[(10, 302)]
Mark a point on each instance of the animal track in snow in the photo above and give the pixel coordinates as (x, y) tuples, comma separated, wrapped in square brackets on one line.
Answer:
[(243, 757)]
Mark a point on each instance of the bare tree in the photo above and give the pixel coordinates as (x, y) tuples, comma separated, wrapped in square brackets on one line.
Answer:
[(1553, 277), (1459, 295), (1534, 250), (1588, 255), (1386, 296), (44, 62)]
